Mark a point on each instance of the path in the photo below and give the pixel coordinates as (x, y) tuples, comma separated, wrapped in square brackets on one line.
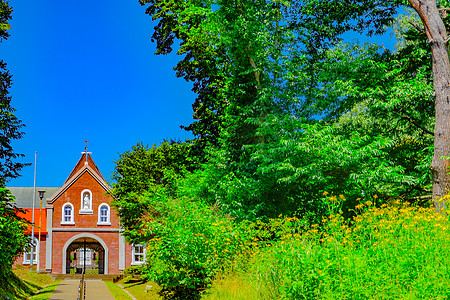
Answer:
[(68, 290), (97, 290)]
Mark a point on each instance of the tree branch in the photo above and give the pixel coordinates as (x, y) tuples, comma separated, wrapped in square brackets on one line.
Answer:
[(414, 122)]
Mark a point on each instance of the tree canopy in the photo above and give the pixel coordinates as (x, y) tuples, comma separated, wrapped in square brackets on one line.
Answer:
[(12, 227), (287, 111)]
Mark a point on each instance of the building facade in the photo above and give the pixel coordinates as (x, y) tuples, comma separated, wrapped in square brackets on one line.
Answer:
[(78, 225)]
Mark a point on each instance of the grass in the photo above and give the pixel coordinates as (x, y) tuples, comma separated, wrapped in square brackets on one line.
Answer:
[(141, 289), (117, 292), (234, 286), (394, 251), (23, 282), (46, 292)]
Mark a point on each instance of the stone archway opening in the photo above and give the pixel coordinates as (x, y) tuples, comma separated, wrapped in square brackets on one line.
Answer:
[(85, 252)]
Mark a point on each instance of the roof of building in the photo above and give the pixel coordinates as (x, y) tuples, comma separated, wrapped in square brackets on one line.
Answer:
[(81, 168), (24, 196), (40, 217), (81, 163)]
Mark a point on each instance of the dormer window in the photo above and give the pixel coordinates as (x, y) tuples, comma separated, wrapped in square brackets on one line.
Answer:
[(104, 214), (86, 202), (67, 214)]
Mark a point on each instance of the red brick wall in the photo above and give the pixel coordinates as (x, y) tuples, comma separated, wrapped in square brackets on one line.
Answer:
[(73, 195), (60, 238), (111, 239)]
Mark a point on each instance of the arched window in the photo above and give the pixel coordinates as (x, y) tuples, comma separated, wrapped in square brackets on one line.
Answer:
[(67, 214), (104, 214), (86, 202), (27, 252)]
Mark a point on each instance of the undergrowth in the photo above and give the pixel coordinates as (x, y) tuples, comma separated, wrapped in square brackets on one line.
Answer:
[(395, 251)]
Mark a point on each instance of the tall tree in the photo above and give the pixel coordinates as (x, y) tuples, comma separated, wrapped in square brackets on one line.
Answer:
[(12, 237), (10, 126), (371, 16), (436, 31)]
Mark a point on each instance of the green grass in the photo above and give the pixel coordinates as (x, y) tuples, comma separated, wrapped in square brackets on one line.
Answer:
[(387, 252), (23, 282), (46, 292), (117, 292), (141, 289), (234, 286)]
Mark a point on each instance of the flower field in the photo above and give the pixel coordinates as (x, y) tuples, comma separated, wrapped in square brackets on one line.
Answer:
[(395, 251)]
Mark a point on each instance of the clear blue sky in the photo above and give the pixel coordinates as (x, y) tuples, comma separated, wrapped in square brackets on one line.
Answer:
[(87, 70)]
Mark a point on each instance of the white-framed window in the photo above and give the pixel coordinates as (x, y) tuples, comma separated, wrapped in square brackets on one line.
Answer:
[(86, 202), (104, 213), (67, 214), (81, 254), (138, 253), (27, 252)]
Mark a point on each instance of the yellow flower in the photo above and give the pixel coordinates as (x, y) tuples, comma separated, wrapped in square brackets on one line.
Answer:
[(325, 193), (375, 197), (342, 197), (332, 198), (359, 206)]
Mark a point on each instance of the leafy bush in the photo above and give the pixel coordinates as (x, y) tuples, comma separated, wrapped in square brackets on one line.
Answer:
[(12, 236), (133, 270), (192, 244)]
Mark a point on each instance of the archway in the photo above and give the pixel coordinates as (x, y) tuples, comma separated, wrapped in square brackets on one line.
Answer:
[(96, 257)]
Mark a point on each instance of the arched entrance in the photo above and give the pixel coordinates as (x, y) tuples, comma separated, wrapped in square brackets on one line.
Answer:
[(85, 250)]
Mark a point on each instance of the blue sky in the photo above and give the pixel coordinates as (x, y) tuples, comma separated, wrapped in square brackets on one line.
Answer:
[(87, 70)]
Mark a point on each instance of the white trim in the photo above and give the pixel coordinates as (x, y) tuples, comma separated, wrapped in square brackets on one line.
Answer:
[(133, 253), (84, 210), (28, 253), (48, 244), (108, 215), (81, 235), (72, 220), (121, 252), (74, 178)]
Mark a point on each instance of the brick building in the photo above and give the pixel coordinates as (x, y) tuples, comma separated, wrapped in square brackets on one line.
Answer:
[(79, 227)]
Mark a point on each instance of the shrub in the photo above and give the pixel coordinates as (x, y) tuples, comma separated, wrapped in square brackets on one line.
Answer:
[(133, 270), (192, 244)]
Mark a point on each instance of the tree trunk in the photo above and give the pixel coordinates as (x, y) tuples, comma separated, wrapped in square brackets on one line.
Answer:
[(437, 37)]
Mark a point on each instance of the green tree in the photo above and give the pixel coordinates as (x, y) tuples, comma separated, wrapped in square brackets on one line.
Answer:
[(371, 16), (141, 170), (12, 237), (12, 228), (11, 127), (282, 70)]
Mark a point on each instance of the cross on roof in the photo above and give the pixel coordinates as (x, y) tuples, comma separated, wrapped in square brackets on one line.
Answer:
[(86, 152)]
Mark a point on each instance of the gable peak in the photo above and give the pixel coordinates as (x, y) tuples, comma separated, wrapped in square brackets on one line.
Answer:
[(85, 161)]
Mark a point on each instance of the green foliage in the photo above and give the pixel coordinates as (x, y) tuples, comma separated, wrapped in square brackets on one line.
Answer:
[(266, 72), (191, 245), (142, 169), (392, 252), (12, 228), (5, 17), (133, 270), (10, 126)]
